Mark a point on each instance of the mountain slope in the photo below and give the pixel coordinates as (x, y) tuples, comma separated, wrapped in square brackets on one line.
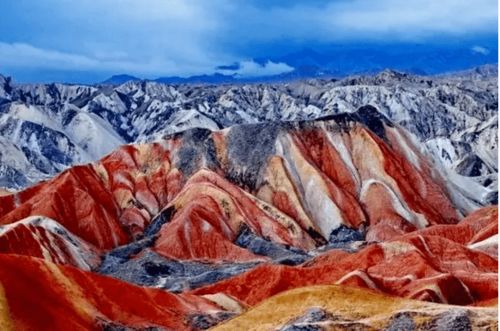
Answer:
[(68, 298), (434, 269)]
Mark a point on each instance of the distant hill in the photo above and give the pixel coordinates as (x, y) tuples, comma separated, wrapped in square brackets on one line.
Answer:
[(120, 79), (216, 78)]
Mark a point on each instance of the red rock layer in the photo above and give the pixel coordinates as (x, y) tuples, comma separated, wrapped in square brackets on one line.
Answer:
[(38, 295), (317, 150), (78, 200), (419, 189), (44, 238), (357, 179), (211, 212), (436, 268), (141, 181), (106, 204)]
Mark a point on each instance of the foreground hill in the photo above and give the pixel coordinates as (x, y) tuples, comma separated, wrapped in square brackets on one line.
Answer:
[(344, 308)]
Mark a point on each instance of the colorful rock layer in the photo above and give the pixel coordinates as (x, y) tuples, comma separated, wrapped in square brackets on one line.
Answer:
[(228, 219)]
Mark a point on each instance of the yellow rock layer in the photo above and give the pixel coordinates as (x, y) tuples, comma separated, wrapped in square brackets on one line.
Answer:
[(363, 306)]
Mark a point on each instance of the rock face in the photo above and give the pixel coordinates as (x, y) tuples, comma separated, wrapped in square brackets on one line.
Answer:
[(46, 128), (220, 221), (45, 238)]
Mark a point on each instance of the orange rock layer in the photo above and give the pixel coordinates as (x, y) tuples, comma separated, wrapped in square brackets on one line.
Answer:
[(344, 308)]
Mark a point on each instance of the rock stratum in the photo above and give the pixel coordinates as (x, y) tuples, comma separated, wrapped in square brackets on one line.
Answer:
[(343, 222)]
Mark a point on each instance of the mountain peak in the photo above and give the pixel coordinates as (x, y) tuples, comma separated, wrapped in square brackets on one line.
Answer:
[(391, 74)]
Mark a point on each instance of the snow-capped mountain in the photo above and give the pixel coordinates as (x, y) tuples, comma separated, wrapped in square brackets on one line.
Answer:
[(45, 128)]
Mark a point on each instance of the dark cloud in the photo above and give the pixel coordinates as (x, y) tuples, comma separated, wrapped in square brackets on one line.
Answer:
[(234, 66)]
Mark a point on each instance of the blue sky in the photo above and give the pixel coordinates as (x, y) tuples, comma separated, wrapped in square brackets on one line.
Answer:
[(88, 40)]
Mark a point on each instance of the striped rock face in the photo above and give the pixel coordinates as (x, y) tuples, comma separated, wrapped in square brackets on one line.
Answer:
[(233, 217), (45, 238)]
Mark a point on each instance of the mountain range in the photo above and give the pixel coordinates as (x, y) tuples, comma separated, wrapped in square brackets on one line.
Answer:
[(341, 61), (44, 128), (366, 203), (303, 72)]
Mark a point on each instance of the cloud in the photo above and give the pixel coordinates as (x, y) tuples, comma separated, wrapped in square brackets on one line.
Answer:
[(251, 68), (21, 54), (154, 38), (233, 66), (28, 56), (150, 38), (362, 20), (480, 50), (415, 19)]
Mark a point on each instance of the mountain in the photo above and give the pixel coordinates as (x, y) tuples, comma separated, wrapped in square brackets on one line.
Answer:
[(301, 72), (45, 128), (425, 59), (340, 61), (235, 228), (120, 79)]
